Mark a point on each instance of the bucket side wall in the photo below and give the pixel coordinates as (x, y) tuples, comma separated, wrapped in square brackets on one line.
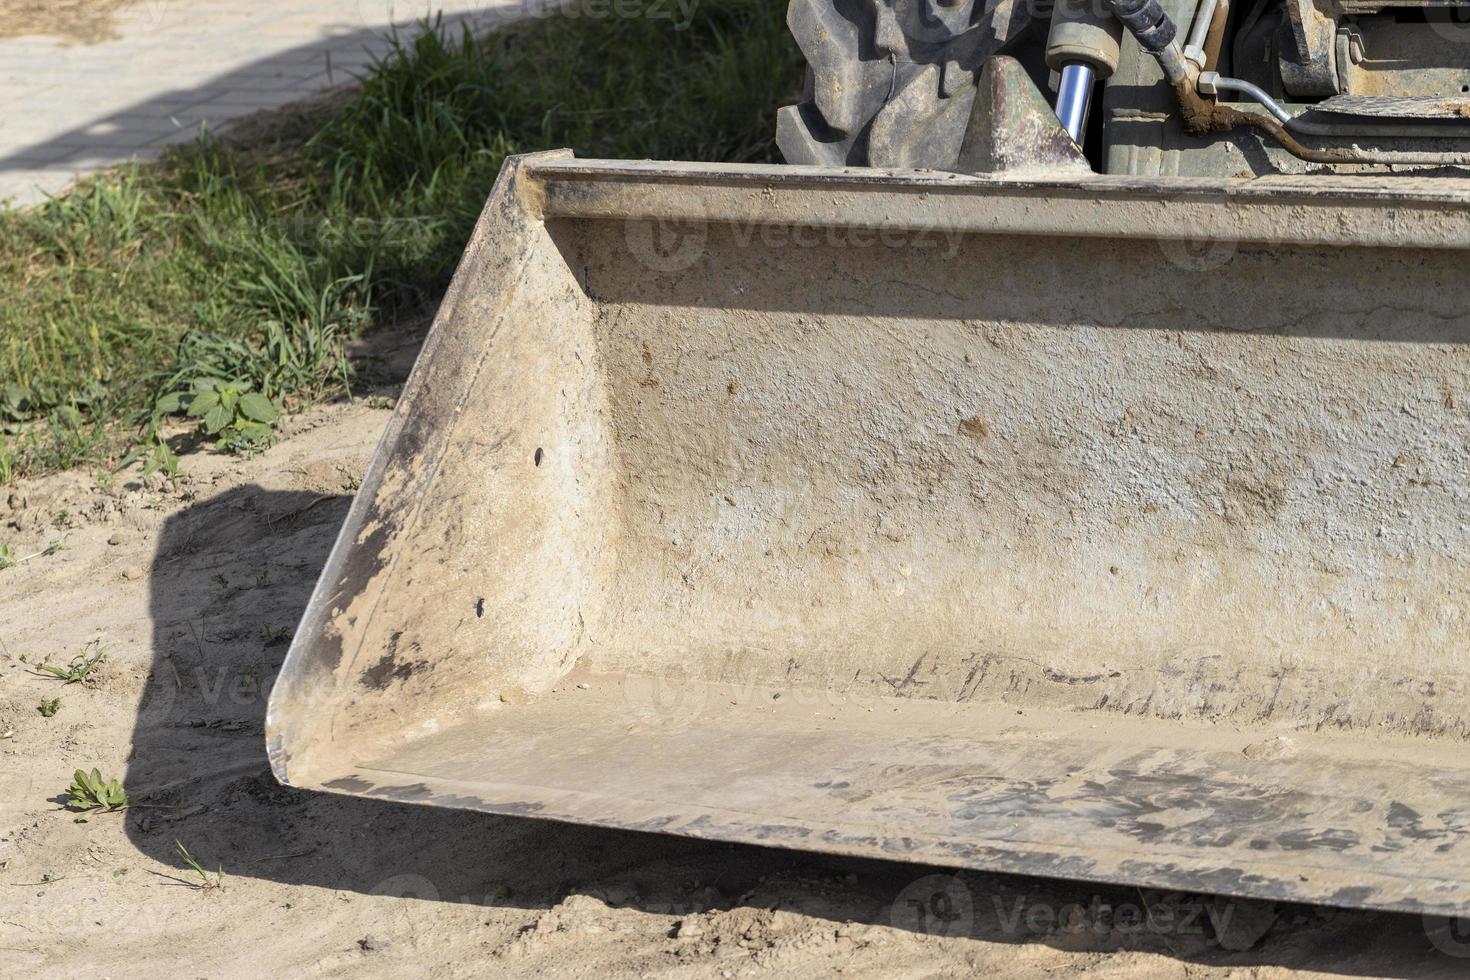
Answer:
[(479, 547)]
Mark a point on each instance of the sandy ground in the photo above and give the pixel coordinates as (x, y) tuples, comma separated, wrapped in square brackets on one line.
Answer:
[(75, 20), (192, 587)]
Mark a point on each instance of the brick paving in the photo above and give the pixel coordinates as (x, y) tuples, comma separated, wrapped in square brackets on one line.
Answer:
[(69, 108)]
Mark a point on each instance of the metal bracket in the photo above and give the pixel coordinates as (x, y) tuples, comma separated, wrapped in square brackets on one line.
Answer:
[(1308, 60)]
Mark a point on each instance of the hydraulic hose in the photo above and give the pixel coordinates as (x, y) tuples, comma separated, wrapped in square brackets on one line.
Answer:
[(1156, 33), (1147, 22)]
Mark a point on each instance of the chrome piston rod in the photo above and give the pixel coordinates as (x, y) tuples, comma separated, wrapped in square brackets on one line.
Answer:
[(1074, 98)]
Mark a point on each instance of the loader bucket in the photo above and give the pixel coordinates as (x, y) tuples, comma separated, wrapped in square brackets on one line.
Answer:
[(1078, 526)]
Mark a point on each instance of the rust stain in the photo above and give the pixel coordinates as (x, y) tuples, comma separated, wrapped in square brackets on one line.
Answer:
[(1201, 116), (976, 427)]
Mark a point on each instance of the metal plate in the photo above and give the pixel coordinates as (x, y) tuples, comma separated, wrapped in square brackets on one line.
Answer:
[(1127, 800), (1396, 107), (1048, 527)]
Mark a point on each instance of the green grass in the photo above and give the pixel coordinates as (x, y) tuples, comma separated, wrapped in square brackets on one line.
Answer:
[(248, 263)]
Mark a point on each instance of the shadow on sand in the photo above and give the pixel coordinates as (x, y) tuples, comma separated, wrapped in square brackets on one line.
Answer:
[(231, 577)]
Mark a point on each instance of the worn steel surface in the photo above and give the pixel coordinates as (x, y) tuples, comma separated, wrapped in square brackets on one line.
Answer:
[(1396, 106), (1013, 129), (1159, 805), (1096, 527)]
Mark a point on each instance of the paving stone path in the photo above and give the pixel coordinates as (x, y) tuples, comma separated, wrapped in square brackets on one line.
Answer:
[(68, 108)]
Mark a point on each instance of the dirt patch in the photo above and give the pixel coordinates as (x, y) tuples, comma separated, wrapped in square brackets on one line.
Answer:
[(328, 885), (85, 21)]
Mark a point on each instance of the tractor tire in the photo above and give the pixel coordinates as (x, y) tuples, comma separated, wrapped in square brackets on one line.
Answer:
[(890, 83)]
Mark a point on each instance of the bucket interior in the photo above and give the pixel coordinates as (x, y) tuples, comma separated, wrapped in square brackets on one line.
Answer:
[(1120, 558)]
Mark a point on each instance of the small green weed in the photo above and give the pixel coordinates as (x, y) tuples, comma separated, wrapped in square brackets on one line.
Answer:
[(81, 667), (206, 882), (89, 792), (155, 453), (232, 413), (49, 707), (9, 560)]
